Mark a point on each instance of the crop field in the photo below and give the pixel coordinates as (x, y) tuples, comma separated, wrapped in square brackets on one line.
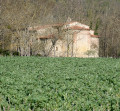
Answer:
[(59, 84)]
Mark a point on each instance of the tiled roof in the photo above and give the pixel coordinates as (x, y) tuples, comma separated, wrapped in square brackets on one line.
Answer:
[(95, 36), (59, 24), (46, 37), (77, 28), (66, 26)]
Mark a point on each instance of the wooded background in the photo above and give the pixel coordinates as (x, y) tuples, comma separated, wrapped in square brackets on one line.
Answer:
[(103, 16)]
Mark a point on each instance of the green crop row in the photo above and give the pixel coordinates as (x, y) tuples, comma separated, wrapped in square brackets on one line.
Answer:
[(59, 84)]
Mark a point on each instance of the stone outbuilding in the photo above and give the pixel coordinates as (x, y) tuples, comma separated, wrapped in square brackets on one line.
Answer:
[(71, 39)]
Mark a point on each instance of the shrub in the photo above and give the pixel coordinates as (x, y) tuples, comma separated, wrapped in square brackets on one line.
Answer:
[(15, 53), (4, 52)]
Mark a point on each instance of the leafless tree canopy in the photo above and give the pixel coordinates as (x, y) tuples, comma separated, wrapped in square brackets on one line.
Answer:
[(103, 16)]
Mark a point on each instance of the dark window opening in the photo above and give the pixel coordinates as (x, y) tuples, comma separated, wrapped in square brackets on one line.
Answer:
[(56, 48)]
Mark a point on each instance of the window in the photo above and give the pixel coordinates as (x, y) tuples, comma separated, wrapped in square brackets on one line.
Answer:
[(56, 48)]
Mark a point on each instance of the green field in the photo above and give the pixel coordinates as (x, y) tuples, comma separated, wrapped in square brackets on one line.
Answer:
[(59, 84)]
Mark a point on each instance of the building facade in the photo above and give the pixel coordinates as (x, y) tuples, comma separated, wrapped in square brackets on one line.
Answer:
[(71, 39)]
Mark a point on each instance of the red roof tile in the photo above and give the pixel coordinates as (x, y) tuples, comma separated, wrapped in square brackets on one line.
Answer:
[(59, 24), (78, 28), (95, 36), (46, 37)]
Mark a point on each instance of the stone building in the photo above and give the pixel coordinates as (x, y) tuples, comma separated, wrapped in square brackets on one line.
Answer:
[(71, 39)]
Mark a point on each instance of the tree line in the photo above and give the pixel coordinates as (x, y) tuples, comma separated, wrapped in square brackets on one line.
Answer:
[(103, 16)]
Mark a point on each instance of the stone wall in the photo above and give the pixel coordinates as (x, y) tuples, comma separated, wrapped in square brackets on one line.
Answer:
[(77, 41)]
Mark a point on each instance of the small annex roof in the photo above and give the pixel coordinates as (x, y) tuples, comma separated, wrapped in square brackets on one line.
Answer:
[(96, 36), (77, 28), (92, 34), (45, 37)]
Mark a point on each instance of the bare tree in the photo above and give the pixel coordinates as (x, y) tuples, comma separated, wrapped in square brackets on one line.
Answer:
[(16, 16)]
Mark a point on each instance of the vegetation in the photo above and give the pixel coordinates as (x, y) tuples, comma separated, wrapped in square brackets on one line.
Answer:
[(59, 84), (101, 15)]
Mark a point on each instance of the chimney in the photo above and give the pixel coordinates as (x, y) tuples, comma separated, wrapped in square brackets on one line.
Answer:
[(69, 19)]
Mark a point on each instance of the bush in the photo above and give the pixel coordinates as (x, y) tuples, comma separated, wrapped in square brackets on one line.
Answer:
[(4, 52), (8, 53), (1, 51), (15, 53), (39, 55)]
